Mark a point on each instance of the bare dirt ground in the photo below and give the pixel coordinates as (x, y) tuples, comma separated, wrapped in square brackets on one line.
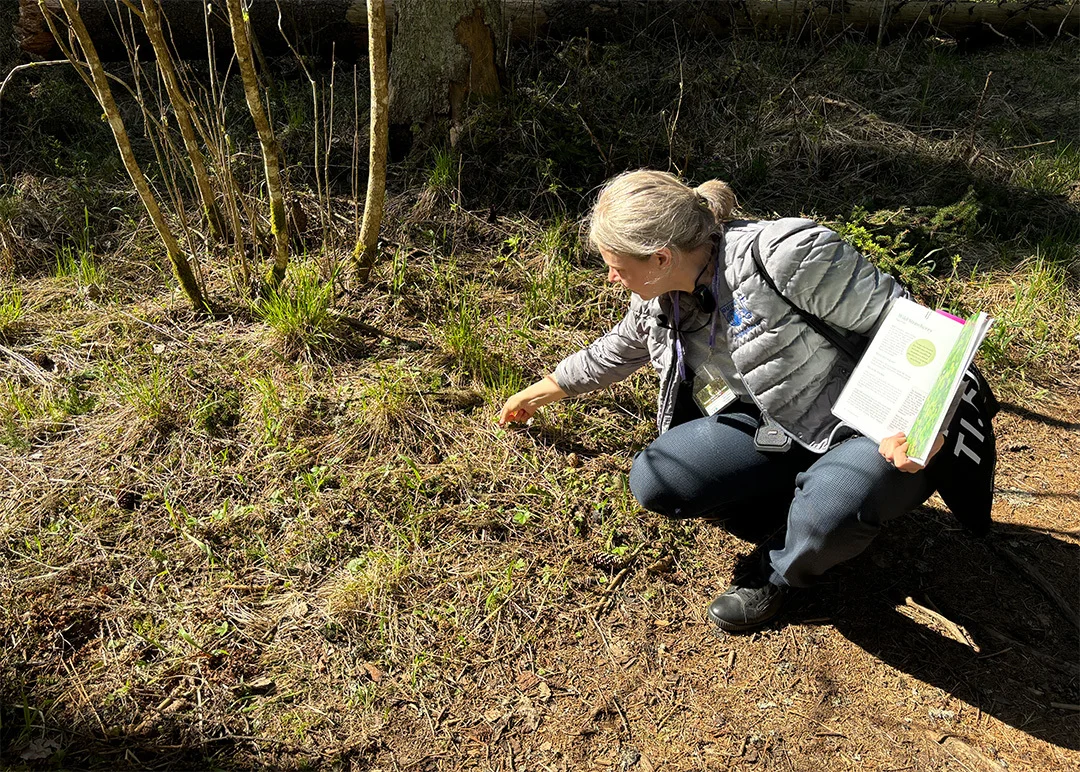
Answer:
[(867, 673)]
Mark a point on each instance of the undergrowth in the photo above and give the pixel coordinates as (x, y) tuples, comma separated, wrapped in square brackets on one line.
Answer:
[(291, 519)]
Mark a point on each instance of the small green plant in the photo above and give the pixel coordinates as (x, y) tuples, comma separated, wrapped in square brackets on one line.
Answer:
[(75, 263), (1054, 173), (270, 406), (219, 412), (150, 393), (386, 401), (397, 272), (1037, 323), (11, 309), (551, 273), (891, 253), (76, 260), (299, 310), (441, 176)]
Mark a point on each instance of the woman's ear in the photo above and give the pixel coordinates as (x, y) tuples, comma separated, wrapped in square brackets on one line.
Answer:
[(664, 258)]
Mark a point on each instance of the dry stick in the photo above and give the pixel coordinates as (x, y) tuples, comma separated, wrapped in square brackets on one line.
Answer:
[(969, 757), (181, 266), (364, 254), (1040, 580), (1065, 19), (319, 183), (151, 20), (978, 110), (954, 630), (238, 24)]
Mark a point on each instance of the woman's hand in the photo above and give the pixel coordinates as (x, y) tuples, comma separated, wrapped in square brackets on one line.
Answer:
[(523, 405), (517, 409), (894, 450)]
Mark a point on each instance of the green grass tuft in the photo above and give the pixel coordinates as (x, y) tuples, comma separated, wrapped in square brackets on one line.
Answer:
[(74, 262), (299, 311), (11, 309)]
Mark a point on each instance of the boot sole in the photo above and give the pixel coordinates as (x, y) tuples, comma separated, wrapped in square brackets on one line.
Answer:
[(734, 627)]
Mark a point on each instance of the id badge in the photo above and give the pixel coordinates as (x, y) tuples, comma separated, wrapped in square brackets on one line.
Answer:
[(711, 392)]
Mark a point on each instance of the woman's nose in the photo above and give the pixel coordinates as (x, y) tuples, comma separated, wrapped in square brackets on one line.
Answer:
[(612, 276)]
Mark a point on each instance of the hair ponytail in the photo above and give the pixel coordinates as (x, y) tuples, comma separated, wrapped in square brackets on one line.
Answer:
[(719, 197), (640, 212)]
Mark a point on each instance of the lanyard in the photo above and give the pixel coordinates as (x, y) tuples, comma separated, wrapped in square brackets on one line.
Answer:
[(680, 353)]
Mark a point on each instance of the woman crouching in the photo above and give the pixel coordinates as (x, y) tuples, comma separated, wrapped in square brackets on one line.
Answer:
[(746, 384)]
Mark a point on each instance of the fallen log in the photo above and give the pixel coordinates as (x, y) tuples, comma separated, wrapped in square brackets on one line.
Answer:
[(314, 25), (342, 24)]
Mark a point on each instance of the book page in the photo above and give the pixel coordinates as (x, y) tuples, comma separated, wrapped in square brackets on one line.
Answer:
[(898, 370), (936, 407)]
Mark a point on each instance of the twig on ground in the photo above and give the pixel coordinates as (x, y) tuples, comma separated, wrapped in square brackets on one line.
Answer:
[(622, 715), (368, 329), (954, 630), (604, 640), (969, 757), (599, 604), (1033, 573)]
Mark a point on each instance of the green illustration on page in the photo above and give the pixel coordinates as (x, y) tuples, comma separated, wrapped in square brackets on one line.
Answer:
[(921, 437)]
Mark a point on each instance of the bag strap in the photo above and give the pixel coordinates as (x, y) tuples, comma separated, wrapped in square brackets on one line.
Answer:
[(819, 326)]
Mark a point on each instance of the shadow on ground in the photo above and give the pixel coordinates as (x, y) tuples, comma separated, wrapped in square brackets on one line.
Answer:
[(1018, 658)]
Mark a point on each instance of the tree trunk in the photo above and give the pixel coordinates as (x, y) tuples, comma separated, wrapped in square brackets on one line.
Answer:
[(376, 188), (181, 267), (444, 50), (320, 24), (152, 22), (270, 151)]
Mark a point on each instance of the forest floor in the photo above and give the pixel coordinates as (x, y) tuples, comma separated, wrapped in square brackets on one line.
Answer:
[(231, 544)]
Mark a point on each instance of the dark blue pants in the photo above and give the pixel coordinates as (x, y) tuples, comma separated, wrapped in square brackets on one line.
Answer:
[(836, 503)]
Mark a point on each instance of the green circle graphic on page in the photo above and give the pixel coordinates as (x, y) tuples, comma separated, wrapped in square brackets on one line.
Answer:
[(921, 352)]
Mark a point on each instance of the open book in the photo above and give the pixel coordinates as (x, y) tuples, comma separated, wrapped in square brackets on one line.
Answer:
[(908, 380)]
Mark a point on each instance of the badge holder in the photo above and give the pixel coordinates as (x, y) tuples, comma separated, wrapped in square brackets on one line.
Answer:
[(711, 392)]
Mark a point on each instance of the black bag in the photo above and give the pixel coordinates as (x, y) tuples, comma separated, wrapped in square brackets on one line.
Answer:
[(963, 469)]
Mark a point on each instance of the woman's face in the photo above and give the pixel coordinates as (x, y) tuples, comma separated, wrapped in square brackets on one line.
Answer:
[(642, 277)]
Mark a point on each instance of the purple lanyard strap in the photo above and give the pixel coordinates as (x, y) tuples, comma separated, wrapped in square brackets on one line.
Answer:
[(680, 354)]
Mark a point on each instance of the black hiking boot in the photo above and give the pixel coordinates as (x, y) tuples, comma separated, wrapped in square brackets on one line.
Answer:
[(749, 603)]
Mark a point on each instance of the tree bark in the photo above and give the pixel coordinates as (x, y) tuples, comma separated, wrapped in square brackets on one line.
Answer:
[(270, 151), (152, 22), (444, 50), (180, 264), (343, 23), (376, 188)]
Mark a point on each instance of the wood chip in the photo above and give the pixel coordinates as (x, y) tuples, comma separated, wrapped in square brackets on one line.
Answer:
[(526, 680)]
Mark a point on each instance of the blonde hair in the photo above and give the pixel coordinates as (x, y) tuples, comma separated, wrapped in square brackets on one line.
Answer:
[(640, 212)]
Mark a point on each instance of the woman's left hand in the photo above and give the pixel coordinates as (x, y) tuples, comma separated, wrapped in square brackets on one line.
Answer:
[(894, 450)]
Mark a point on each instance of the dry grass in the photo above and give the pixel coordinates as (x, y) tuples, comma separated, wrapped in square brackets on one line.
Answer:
[(222, 546)]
